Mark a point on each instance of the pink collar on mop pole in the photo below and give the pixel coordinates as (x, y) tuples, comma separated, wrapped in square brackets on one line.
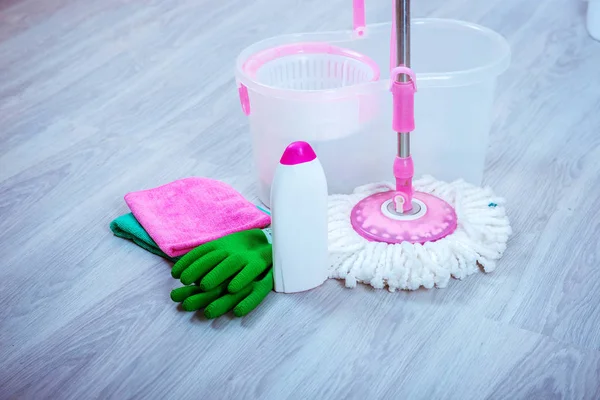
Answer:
[(297, 153), (402, 70)]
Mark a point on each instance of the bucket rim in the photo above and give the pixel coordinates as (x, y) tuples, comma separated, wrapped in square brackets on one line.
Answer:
[(485, 72)]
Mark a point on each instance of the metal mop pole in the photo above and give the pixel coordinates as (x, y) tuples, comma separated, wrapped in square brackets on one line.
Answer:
[(403, 88), (402, 16)]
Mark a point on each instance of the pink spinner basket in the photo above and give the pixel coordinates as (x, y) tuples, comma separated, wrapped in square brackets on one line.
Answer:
[(310, 66)]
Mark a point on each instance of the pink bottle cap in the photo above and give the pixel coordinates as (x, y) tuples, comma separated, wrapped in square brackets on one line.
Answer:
[(297, 153)]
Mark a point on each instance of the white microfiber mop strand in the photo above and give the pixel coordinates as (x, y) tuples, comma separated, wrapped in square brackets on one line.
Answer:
[(479, 240)]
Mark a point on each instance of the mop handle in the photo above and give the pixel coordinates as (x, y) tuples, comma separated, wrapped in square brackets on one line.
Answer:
[(401, 50), (403, 85)]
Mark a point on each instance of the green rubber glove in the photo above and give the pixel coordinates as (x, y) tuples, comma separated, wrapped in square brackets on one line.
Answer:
[(219, 301), (242, 256)]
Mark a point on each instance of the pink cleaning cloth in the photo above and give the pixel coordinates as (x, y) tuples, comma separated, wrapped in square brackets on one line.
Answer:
[(184, 214)]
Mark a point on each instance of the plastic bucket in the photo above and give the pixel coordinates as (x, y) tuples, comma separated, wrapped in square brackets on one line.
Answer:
[(349, 123)]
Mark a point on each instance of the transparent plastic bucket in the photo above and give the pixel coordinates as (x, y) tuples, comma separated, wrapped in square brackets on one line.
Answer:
[(349, 123)]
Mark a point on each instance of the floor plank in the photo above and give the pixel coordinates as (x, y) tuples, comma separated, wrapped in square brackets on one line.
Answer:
[(99, 98)]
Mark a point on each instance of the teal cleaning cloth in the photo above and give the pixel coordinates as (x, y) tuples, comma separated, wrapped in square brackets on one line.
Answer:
[(127, 227)]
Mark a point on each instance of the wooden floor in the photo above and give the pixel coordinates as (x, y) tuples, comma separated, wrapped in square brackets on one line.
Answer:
[(102, 97)]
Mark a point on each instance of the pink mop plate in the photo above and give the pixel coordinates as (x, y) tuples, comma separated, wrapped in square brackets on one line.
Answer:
[(375, 218)]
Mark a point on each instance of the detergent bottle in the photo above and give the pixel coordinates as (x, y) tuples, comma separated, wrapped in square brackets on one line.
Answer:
[(299, 220)]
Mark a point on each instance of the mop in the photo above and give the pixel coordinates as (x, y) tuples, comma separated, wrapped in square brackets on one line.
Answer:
[(408, 235)]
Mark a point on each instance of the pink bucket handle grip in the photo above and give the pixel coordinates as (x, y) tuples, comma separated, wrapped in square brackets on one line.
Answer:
[(244, 98), (359, 19), (403, 118)]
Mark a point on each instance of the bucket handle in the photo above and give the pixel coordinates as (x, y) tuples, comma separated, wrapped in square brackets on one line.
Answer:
[(359, 26), (358, 17)]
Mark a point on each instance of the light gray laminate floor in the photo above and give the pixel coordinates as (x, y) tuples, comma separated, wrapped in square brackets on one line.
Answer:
[(102, 97)]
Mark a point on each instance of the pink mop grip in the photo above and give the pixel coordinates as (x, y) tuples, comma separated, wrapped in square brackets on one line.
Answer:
[(404, 100)]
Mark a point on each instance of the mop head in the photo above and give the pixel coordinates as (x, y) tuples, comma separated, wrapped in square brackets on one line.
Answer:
[(478, 241)]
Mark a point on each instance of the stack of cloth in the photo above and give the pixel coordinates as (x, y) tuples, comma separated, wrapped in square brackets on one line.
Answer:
[(219, 242)]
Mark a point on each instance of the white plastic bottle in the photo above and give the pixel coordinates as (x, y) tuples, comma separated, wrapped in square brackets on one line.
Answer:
[(299, 220)]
